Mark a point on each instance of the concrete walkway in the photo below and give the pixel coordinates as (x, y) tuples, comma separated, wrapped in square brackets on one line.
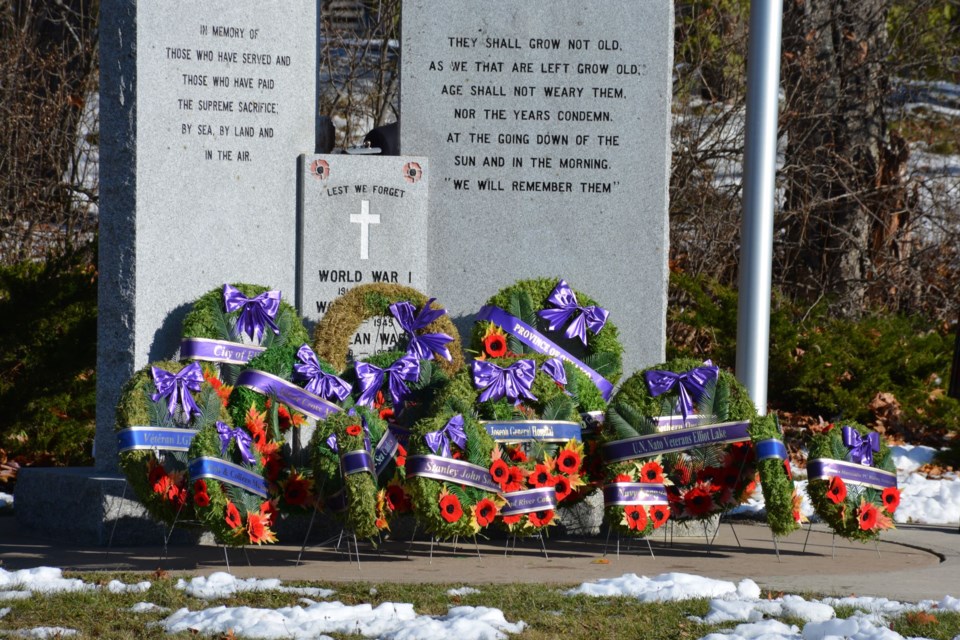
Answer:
[(911, 563)]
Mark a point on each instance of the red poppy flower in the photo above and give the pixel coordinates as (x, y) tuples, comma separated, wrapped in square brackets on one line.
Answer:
[(539, 477), (540, 518), (156, 473), (201, 499), (659, 515), (162, 486), (837, 491), (386, 414), (401, 456), (200, 486), (495, 345), (510, 520), (623, 477), (397, 498), (232, 516), (450, 508), (698, 501), (273, 467), (379, 401), (456, 454), (652, 472), (891, 499), (568, 461), (561, 484), (867, 515), (485, 511), (728, 476), (636, 517), (500, 473), (354, 430), (177, 495), (269, 512), (681, 475), (516, 454), (515, 482), (296, 490), (257, 529)]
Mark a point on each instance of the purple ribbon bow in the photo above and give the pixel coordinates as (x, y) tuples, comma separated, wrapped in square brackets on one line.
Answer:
[(424, 346), (453, 430), (257, 312), (565, 301), (370, 379), (242, 438), (554, 368), (176, 387), (861, 447), (320, 383), (513, 382), (690, 385)]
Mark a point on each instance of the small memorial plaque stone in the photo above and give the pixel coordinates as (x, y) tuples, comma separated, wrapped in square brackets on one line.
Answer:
[(362, 220), (547, 125)]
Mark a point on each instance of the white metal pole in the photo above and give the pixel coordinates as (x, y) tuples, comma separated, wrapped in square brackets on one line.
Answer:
[(759, 172)]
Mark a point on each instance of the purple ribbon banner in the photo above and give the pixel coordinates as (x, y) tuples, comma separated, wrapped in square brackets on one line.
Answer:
[(451, 470), (529, 501), (673, 441), (625, 494), (218, 351), (536, 340), (533, 430), (217, 469), (671, 423), (770, 448), (850, 472), (290, 394), (356, 461), (159, 438), (385, 451)]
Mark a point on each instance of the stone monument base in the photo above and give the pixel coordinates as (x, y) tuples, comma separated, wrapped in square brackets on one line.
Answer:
[(85, 507)]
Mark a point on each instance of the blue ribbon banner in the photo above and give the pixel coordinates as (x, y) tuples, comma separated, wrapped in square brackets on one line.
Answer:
[(217, 469), (159, 438), (451, 470), (529, 501), (532, 430), (536, 340), (289, 394), (218, 351), (625, 494), (850, 472), (385, 451), (673, 441), (770, 448), (357, 461)]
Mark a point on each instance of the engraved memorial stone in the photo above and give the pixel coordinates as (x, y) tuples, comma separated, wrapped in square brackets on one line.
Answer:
[(362, 220), (547, 128)]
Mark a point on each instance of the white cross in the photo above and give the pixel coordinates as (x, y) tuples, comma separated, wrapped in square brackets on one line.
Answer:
[(364, 219)]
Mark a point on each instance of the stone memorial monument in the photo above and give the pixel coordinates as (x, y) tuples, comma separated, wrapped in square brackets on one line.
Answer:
[(204, 109), (547, 126)]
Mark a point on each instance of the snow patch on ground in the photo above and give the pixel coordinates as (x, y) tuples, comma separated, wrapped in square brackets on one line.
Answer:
[(224, 585)]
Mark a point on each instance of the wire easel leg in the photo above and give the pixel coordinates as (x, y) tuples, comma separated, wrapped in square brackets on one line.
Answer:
[(776, 546), (119, 507), (543, 546), (607, 542), (226, 558), (413, 538), (169, 534), (477, 545), (303, 547), (650, 548), (807, 539), (735, 536)]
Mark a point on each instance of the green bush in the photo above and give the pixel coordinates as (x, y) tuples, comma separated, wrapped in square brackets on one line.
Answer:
[(48, 353), (820, 365)]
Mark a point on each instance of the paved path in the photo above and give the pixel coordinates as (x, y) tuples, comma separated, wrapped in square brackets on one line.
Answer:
[(914, 562)]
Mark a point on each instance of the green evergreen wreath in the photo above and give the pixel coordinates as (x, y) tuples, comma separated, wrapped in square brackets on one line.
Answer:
[(208, 319), (235, 515), (780, 497), (277, 428), (447, 508), (852, 510), (533, 464), (333, 333), (360, 499), (524, 300), (701, 481), (158, 475)]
